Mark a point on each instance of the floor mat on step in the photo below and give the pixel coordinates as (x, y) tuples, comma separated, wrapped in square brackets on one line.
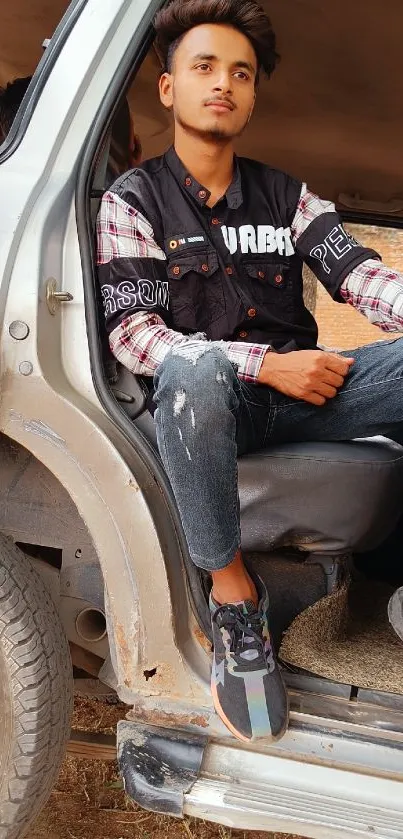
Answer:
[(347, 637)]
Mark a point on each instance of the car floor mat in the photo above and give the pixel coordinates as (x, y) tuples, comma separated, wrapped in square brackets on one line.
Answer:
[(292, 585), (346, 637)]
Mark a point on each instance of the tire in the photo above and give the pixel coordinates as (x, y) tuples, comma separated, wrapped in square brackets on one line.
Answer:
[(36, 688)]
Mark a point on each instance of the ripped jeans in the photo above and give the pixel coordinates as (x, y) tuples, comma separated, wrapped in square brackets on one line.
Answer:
[(206, 418)]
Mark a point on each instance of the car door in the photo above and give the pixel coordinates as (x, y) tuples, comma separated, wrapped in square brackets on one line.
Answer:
[(50, 403)]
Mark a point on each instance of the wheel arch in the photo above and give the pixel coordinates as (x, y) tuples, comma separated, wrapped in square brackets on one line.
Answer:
[(81, 451)]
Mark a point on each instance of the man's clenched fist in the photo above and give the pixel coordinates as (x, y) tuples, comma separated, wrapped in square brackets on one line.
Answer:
[(311, 375)]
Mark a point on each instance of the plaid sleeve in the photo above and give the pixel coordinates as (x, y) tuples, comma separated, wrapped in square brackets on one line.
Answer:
[(141, 342), (377, 292), (309, 207), (131, 266)]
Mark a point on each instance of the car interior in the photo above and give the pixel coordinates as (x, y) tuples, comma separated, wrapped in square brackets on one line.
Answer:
[(321, 522)]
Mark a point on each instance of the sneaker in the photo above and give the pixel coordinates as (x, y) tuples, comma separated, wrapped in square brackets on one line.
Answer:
[(395, 612), (246, 684)]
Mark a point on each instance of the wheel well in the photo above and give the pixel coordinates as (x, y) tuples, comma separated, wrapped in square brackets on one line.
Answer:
[(37, 513)]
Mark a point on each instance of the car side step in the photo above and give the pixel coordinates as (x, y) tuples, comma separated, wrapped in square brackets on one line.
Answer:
[(158, 765), (282, 810)]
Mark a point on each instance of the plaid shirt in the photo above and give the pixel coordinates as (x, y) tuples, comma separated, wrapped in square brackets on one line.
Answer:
[(142, 340)]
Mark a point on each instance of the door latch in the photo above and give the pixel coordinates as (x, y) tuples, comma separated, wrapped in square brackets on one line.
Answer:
[(54, 297)]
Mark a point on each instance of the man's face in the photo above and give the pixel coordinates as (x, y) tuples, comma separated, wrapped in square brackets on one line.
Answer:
[(212, 84)]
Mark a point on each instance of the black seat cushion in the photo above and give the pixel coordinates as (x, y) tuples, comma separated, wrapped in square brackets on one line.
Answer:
[(322, 497)]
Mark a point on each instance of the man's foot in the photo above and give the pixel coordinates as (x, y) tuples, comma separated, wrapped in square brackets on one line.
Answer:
[(247, 687), (395, 612)]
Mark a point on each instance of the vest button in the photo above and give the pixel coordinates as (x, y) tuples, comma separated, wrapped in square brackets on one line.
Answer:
[(251, 313), (176, 270), (202, 194), (229, 270), (278, 279), (243, 334), (204, 267), (261, 275), (188, 182), (215, 221)]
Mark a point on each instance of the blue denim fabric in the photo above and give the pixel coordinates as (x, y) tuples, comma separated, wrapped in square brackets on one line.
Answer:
[(206, 418)]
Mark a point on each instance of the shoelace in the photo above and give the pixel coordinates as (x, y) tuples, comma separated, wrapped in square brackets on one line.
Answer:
[(240, 626)]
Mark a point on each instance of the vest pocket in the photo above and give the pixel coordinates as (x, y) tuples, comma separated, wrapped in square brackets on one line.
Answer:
[(196, 291), (269, 283)]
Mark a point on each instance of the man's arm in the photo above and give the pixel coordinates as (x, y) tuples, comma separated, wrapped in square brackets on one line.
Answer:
[(134, 285), (377, 292), (142, 341), (372, 288), (351, 274)]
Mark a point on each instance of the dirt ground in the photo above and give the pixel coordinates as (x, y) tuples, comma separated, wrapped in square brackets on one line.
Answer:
[(88, 801)]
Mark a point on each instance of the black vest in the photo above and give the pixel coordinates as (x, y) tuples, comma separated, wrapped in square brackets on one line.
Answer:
[(232, 272)]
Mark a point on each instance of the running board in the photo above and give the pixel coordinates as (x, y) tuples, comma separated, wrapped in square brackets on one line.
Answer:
[(158, 765), (311, 783), (269, 793)]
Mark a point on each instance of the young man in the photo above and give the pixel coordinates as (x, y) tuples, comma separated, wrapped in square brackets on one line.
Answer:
[(200, 256)]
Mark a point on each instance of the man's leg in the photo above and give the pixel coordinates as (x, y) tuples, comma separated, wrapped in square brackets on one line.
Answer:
[(369, 403), (202, 420)]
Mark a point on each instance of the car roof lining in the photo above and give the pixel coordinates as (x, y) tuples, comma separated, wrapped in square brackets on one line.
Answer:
[(331, 115)]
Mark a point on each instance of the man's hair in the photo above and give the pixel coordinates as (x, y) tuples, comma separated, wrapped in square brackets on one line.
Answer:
[(175, 20), (11, 97)]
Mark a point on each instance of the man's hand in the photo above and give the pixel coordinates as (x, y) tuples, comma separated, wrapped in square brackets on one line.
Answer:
[(311, 375)]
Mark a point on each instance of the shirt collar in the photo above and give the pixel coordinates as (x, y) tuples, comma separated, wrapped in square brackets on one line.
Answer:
[(233, 196)]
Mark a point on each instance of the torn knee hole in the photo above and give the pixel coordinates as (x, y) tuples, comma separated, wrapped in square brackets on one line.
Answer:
[(179, 402), (222, 378)]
